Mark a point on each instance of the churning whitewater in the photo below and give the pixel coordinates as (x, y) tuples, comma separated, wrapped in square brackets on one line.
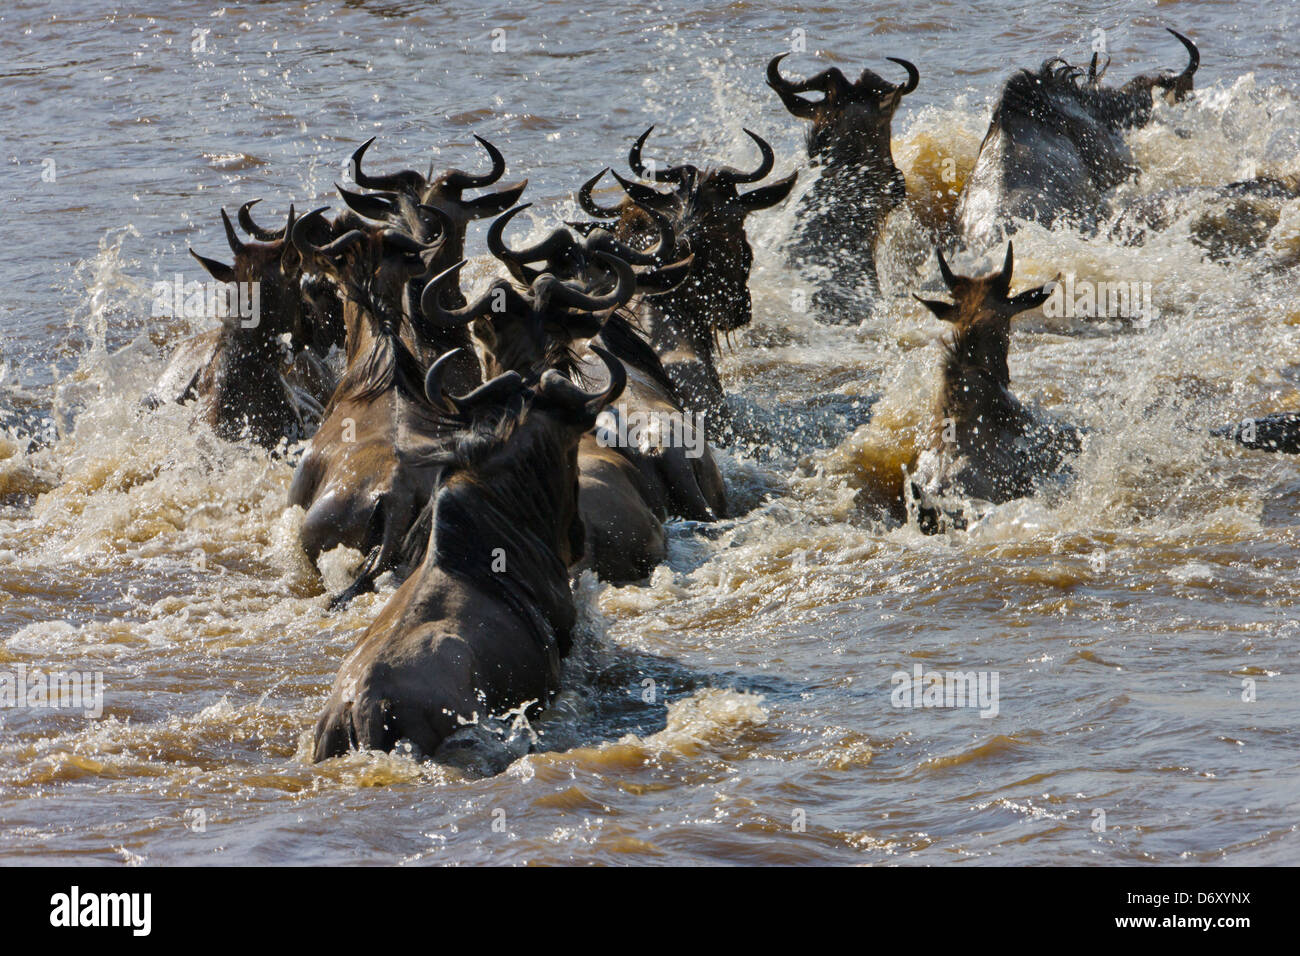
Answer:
[(843, 630)]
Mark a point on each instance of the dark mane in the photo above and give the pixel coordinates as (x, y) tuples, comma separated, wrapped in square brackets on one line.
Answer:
[(621, 337), (389, 363)]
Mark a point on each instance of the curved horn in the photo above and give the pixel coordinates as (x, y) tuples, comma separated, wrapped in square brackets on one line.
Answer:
[(493, 391), (401, 242), (407, 179), (253, 229), (623, 290), (913, 75), (540, 252), (590, 206), (669, 174), (236, 244), (302, 241), (601, 239), (800, 107), (452, 318), (617, 382), (369, 206), (729, 174), (456, 179), (1193, 55), (641, 194)]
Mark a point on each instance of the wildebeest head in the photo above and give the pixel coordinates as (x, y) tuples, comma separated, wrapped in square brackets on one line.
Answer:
[(851, 120), (1132, 103), (532, 331), (575, 258), (708, 212), (981, 316), (276, 266), (368, 259), (516, 437), (424, 194)]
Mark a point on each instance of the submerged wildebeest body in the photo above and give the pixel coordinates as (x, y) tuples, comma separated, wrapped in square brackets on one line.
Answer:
[(1278, 432), (480, 627), (707, 213), (681, 477), (1226, 221), (532, 331), (841, 216), (364, 477), (263, 376), (983, 443), (1055, 147)]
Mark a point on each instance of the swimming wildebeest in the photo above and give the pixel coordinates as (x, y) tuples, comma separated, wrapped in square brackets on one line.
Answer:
[(983, 443), (365, 475), (841, 216), (678, 467), (1226, 221), (1055, 146), (481, 626), (256, 375), (533, 330), (433, 201), (1277, 432), (708, 213)]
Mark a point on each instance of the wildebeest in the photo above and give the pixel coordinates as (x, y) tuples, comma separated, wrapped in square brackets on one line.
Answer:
[(983, 443), (678, 466), (480, 627), (1055, 146), (1278, 432), (841, 216), (260, 376), (365, 476), (432, 201), (1226, 221), (708, 213), (533, 330)]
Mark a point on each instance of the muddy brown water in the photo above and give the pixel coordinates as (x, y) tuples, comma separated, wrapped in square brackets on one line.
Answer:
[(738, 708)]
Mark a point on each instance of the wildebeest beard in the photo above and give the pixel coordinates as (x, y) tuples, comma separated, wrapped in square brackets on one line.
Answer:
[(498, 490)]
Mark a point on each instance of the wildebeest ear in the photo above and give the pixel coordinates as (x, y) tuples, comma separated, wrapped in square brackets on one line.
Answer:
[(944, 310), (218, 270), (1030, 298), (765, 196)]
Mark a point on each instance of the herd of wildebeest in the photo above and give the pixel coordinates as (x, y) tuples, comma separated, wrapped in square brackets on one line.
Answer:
[(458, 442)]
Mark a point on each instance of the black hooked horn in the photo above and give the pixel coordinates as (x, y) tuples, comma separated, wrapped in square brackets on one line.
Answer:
[(949, 279), (800, 107), (303, 243), (913, 75), (731, 175), (494, 391), (623, 290), (642, 194), (434, 311), (543, 251), (592, 403), (1193, 55), (257, 232), (407, 179), (669, 174), (590, 206), (456, 179), (376, 206)]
